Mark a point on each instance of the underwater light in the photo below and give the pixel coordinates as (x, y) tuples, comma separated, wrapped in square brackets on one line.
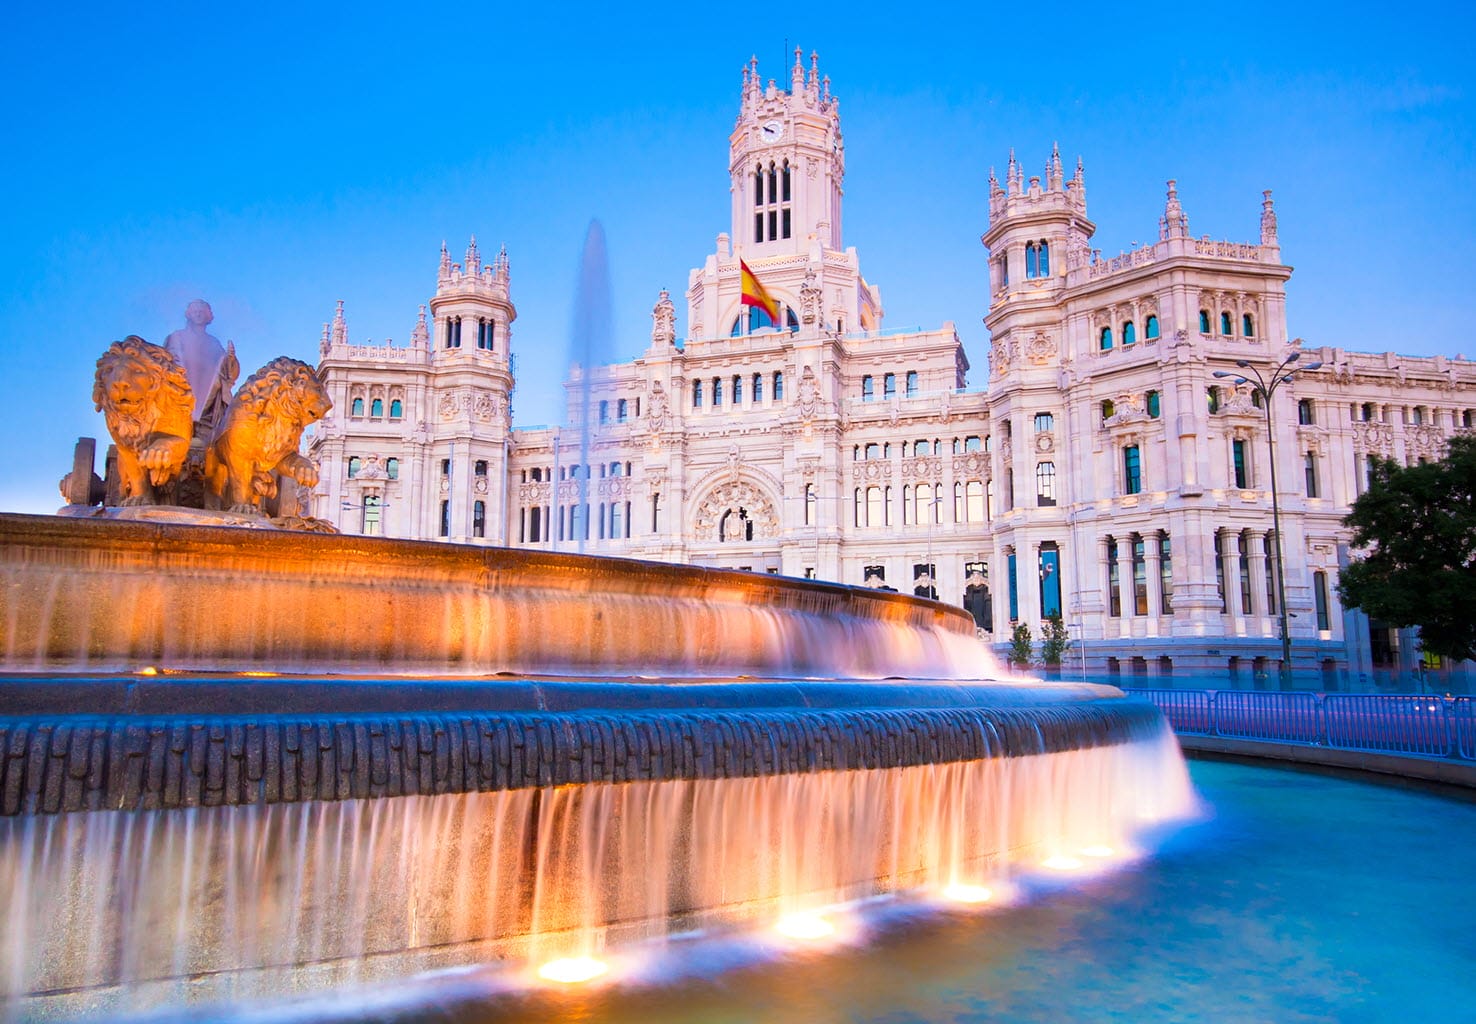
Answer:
[(804, 926), (962, 893), (573, 970)]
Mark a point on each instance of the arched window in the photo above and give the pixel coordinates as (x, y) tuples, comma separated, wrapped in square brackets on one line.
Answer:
[(1044, 260), (1225, 324), (397, 409), (1132, 470), (1129, 333), (1247, 328), (392, 468), (357, 409), (376, 408), (696, 394), (1204, 321), (1150, 328), (453, 332), (353, 466), (1030, 259), (1045, 484), (1152, 402), (873, 451), (1106, 339)]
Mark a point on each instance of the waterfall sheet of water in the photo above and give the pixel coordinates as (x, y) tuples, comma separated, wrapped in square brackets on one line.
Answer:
[(129, 911)]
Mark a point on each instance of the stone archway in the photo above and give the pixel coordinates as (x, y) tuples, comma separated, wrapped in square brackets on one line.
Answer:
[(735, 511)]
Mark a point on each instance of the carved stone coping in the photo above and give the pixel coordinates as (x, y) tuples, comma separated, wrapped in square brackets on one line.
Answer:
[(582, 733)]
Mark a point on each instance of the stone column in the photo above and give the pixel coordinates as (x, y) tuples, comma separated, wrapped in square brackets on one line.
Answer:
[(1256, 546), (1104, 575), (1230, 561), (1154, 564)]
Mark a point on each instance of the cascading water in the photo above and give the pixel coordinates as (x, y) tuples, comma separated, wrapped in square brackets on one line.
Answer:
[(568, 755), (243, 903)]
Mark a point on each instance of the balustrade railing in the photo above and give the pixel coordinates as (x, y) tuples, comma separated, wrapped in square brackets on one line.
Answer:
[(1416, 726)]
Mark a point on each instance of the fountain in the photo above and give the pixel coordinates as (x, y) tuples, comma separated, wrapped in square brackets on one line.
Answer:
[(236, 764)]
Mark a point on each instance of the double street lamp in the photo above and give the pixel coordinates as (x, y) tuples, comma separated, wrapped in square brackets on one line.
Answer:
[(1265, 387)]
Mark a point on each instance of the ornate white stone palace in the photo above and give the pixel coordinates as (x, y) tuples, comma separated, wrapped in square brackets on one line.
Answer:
[(1102, 471)]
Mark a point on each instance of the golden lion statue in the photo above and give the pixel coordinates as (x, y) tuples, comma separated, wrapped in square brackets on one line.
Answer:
[(260, 434), (145, 398)]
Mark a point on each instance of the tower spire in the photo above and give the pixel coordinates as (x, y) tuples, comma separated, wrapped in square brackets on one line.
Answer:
[(473, 262), (1173, 224), (1268, 220)]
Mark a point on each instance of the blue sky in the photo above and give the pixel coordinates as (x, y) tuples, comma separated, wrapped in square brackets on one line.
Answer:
[(273, 161)]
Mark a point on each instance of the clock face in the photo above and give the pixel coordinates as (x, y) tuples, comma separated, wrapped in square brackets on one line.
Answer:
[(772, 131)]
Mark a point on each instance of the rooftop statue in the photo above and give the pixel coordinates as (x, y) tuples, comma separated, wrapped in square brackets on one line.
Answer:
[(211, 367)]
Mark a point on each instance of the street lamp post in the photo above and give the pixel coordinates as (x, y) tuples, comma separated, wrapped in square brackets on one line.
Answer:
[(1266, 386)]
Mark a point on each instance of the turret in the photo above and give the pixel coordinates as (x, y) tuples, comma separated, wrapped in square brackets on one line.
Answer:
[(471, 309), (787, 162), (1033, 226)]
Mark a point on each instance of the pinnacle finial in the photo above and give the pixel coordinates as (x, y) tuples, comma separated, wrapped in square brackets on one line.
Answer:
[(1268, 219)]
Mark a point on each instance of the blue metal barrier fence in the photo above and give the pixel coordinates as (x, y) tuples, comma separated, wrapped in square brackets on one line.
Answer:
[(1379, 723)]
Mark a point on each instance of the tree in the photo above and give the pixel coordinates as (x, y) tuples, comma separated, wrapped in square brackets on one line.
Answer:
[(1054, 640), (1022, 644), (1418, 524)]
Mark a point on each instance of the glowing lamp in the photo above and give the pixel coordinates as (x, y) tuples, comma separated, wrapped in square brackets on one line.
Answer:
[(1062, 862)]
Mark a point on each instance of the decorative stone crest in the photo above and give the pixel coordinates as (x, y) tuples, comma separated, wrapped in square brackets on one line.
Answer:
[(1040, 350), (808, 404), (736, 496)]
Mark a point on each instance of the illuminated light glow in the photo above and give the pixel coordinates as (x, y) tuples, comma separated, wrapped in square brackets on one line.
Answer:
[(804, 926), (148, 670), (1062, 862), (260, 674), (573, 970), (962, 893), (1098, 851)]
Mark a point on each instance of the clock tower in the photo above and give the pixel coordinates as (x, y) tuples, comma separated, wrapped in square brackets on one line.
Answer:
[(787, 161)]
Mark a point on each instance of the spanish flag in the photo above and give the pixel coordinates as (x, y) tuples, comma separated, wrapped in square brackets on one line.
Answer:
[(755, 294)]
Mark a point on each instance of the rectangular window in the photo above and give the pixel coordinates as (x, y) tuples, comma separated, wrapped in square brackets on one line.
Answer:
[(1319, 595), (784, 223), (1050, 580), (778, 387), (974, 492), (1132, 470), (868, 389), (773, 224), (717, 392), (1140, 576), (911, 383), (1270, 549), (445, 519), (758, 387), (1045, 484), (696, 394), (1310, 469), (1114, 595), (1014, 587), (737, 389), (1245, 575), (1165, 574), (889, 386), (1242, 475)]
